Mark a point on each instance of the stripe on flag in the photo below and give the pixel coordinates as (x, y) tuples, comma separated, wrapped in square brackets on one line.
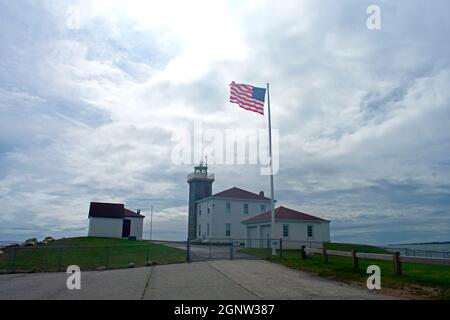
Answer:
[(248, 97)]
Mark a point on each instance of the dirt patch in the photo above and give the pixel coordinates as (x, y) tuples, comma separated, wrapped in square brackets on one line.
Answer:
[(411, 291)]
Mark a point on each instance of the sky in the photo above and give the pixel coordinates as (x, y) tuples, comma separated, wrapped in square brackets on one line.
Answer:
[(92, 94)]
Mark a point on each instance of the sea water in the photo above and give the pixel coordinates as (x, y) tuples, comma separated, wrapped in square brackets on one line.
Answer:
[(435, 250)]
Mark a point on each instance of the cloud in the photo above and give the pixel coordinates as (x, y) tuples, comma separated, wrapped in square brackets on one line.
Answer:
[(91, 93)]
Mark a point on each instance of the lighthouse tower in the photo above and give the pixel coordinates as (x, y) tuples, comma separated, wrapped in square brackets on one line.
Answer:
[(200, 187)]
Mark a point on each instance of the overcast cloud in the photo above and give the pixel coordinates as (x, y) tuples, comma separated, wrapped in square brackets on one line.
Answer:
[(92, 93)]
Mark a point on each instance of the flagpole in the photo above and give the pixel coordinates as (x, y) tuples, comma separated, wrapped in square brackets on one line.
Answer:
[(272, 193)]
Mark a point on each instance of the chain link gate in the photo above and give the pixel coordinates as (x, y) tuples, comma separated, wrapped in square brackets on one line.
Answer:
[(229, 249)]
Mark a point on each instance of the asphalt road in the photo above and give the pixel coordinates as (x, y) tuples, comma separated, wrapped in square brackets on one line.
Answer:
[(213, 280)]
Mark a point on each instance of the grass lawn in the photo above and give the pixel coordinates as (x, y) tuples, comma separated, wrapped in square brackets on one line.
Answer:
[(89, 254), (358, 247), (418, 280)]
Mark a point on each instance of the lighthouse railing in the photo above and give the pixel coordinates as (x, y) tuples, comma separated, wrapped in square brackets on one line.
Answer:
[(201, 175)]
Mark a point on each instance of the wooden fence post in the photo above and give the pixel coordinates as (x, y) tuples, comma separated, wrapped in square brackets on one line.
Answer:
[(397, 263), (355, 261), (325, 255), (303, 253)]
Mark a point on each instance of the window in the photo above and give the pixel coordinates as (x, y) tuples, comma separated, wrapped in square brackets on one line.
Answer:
[(199, 230), (199, 209), (246, 208), (228, 207), (228, 230), (207, 229), (310, 231), (285, 230), (209, 210), (263, 208)]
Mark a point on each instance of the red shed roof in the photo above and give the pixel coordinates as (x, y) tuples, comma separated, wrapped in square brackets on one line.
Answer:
[(106, 210), (283, 213), (111, 210), (132, 214), (240, 194)]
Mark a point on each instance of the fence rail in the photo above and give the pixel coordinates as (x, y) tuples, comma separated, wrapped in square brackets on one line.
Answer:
[(395, 257), (94, 257), (419, 252), (441, 261)]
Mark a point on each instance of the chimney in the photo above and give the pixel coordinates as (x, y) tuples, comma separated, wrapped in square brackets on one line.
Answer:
[(261, 193)]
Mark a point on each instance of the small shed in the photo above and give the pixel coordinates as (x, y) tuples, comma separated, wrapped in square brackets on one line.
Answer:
[(113, 220)]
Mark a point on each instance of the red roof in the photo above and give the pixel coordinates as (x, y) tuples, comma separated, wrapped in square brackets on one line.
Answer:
[(283, 213), (106, 210), (132, 214), (111, 210), (240, 194)]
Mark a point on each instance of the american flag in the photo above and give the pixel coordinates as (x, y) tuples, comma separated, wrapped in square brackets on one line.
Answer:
[(248, 97)]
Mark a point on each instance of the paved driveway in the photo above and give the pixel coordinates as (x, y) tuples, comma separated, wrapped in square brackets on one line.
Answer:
[(214, 280)]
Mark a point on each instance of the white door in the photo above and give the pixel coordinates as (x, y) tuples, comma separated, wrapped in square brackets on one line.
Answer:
[(264, 236), (252, 236)]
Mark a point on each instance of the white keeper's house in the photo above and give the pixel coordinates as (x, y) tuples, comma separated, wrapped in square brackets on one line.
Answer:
[(113, 220), (237, 214), (220, 216)]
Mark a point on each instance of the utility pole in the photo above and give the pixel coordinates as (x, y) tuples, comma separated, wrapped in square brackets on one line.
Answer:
[(151, 223)]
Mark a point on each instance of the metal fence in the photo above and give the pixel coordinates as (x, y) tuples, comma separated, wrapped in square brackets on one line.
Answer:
[(408, 252), (230, 249), (58, 258)]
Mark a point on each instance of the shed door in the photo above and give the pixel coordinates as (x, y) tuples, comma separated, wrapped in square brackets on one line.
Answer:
[(126, 228), (252, 237), (265, 236)]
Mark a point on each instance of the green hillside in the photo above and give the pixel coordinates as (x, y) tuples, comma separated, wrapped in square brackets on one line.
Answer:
[(88, 254)]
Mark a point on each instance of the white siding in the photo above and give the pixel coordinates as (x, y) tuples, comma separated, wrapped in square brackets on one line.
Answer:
[(252, 235), (298, 230), (205, 219), (137, 226), (298, 233), (112, 228), (105, 227), (218, 217), (265, 234)]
